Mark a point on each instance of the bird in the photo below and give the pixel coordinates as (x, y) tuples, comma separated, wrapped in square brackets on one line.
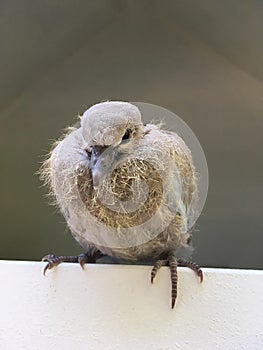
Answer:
[(127, 190)]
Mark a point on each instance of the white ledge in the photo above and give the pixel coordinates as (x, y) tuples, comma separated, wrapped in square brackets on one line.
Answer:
[(116, 307)]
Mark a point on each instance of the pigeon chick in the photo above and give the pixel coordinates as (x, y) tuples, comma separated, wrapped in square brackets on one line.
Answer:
[(126, 190)]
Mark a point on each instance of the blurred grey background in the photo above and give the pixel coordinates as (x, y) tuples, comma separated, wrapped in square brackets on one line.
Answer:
[(199, 59)]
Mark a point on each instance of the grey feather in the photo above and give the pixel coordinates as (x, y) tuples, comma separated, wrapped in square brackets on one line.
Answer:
[(151, 159)]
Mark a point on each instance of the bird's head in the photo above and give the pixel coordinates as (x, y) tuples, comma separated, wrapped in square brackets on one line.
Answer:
[(110, 131)]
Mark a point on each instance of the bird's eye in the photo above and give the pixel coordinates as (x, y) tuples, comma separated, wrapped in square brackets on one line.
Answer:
[(127, 134)]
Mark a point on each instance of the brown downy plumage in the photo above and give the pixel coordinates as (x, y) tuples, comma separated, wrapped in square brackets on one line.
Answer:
[(126, 190)]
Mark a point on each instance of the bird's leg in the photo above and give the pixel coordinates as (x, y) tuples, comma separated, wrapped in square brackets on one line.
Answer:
[(88, 257), (172, 262), (192, 265)]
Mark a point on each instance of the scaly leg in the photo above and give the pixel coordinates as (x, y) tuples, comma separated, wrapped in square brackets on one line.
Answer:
[(82, 259), (172, 262), (193, 266)]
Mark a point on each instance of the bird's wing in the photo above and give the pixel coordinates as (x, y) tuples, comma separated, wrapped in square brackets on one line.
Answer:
[(61, 166), (173, 146)]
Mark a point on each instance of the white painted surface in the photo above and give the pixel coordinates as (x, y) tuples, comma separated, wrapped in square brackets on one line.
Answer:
[(116, 307)]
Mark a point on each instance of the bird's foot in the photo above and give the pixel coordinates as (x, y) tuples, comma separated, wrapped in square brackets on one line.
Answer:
[(193, 266), (172, 262), (53, 260)]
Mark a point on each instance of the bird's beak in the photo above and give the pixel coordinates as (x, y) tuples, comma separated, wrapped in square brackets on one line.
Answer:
[(96, 153), (99, 164)]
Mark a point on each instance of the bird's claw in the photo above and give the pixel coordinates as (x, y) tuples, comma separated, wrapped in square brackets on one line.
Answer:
[(193, 266), (82, 259), (172, 262), (52, 261)]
